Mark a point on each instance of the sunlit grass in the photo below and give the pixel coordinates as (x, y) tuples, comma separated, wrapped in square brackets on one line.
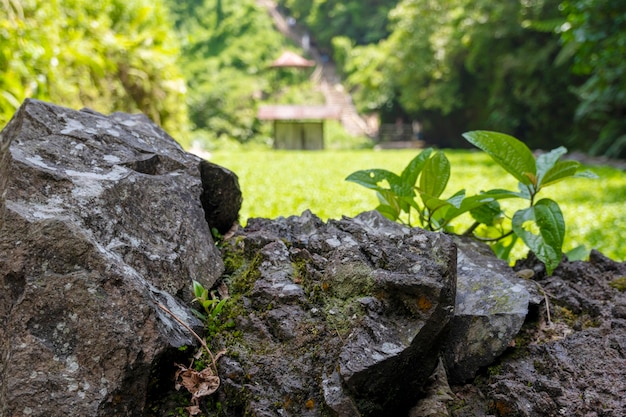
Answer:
[(276, 183)]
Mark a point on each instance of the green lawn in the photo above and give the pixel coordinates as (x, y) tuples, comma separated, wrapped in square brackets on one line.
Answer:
[(283, 183)]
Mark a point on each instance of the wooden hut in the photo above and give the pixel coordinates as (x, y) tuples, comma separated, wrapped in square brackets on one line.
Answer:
[(298, 127)]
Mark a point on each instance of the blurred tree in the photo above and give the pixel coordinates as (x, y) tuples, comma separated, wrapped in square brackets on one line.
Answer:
[(468, 64), (363, 21), (111, 55), (227, 66), (594, 35)]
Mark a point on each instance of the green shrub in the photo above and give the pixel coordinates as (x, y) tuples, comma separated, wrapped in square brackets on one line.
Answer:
[(414, 196)]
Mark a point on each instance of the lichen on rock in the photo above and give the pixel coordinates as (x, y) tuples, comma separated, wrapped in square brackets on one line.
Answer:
[(334, 315)]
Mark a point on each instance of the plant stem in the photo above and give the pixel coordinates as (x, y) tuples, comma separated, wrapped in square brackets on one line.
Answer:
[(495, 239), (186, 326), (470, 229)]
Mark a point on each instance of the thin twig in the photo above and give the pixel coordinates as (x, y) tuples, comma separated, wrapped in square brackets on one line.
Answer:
[(471, 229), (186, 326), (545, 297), (495, 239)]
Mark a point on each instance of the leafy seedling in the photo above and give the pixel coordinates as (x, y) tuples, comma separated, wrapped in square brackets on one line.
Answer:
[(415, 196)]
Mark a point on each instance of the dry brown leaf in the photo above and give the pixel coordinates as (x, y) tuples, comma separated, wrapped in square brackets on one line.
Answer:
[(231, 231), (193, 410), (198, 383), (222, 290)]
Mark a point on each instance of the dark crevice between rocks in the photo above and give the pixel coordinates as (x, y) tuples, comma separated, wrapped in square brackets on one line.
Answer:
[(221, 196), (16, 284), (128, 398), (163, 398)]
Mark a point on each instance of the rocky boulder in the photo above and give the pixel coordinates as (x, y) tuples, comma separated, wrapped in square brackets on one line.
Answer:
[(350, 317), (339, 318), (102, 219), (576, 362)]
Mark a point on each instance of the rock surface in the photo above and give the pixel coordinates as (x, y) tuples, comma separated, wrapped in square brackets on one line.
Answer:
[(339, 318), (102, 220), (350, 317), (578, 361), (490, 308), (572, 365), (324, 316)]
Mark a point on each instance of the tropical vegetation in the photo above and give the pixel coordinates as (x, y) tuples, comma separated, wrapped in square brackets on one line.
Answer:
[(415, 196), (227, 50), (549, 72), (109, 55)]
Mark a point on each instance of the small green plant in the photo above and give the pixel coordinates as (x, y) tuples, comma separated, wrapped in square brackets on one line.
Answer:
[(210, 303), (414, 196)]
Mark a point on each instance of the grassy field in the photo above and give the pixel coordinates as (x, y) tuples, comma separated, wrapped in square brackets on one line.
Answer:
[(278, 183)]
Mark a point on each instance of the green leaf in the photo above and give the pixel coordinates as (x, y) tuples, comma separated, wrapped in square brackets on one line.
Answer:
[(500, 194), (433, 203), (512, 154), (586, 174), (199, 315), (547, 161), (389, 198), (388, 211), (217, 308), (560, 171), (198, 289), (457, 199), (435, 176), (542, 228), (414, 168), (503, 248), (579, 253), (459, 207), (370, 178), (524, 191), (472, 202), (376, 179), (487, 213)]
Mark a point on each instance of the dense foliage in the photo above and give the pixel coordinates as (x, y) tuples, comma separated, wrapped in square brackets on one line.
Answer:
[(548, 71), (594, 35), (364, 22), (222, 64), (227, 50), (110, 55)]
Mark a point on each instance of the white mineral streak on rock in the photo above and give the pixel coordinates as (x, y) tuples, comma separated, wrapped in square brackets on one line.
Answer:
[(111, 159), (71, 126), (90, 184)]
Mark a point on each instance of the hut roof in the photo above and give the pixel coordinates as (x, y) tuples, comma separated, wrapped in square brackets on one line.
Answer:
[(289, 112), (292, 60)]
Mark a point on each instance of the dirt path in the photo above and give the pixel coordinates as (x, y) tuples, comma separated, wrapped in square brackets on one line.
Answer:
[(325, 76)]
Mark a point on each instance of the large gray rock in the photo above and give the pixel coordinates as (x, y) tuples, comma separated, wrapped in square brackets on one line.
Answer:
[(102, 220), (491, 306), (340, 318)]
